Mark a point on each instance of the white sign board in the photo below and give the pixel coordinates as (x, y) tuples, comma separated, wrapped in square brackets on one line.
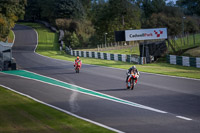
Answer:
[(146, 34)]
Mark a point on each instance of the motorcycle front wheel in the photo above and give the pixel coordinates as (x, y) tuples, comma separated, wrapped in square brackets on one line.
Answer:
[(77, 70), (132, 83)]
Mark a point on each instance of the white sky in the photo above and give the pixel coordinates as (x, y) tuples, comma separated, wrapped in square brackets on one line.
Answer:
[(171, 0)]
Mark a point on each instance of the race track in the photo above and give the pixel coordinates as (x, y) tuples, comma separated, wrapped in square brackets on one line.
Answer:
[(166, 104)]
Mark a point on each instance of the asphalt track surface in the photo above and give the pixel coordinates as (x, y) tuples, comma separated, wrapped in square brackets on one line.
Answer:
[(179, 98)]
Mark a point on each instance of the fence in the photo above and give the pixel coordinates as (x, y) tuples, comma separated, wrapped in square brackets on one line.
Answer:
[(107, 56), (116, 46), (184, 60), (179, 43)]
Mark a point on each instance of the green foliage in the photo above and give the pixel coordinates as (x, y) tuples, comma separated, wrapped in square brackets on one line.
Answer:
[(10, 12), (66, 24), (116, 15), (47, 10), (83, 30), (71, 39), (91, 19), (190, 7), (161, 20), (171, 17), (86, 6), (151, 6), (33, 10), (52, 9), (191, 25), (74, 40), (69, 9)]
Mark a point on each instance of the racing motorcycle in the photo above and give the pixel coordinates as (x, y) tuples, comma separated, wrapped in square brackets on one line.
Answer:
[(77, 67), (132, 81)]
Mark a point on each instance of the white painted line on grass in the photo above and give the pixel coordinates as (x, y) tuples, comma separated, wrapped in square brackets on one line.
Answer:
[(96, 123), (184, 118)]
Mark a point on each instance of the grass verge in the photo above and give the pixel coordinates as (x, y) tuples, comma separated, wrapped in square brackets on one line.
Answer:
[(195, 52), (158, 68), (128, 51), (10, 37), (21, 114), (187, 42), (47, 40)]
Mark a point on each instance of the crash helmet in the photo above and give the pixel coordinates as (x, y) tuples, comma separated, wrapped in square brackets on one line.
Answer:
[(77, 58), (133, 67)]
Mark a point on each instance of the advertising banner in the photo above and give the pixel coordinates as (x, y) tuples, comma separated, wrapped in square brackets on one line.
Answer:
[(146, 34)]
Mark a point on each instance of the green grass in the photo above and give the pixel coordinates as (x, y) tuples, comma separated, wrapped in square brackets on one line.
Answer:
[(21, 114), (158, 68), (10, 37), (179, 43), (195, 52), (127, 51), (47, 40)]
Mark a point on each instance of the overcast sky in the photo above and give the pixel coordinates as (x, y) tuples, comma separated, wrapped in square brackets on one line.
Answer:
[(172, 0)]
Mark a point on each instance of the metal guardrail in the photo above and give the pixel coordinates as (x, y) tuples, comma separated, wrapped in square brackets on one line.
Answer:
[(107, 56)]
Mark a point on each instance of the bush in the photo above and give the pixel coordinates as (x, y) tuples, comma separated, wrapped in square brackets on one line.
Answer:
[(81, 31)]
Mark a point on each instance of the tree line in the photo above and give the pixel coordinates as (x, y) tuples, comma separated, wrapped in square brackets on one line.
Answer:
[(85, 22), (10, 12)]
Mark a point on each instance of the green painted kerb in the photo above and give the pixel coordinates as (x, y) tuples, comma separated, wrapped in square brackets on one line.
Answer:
[(34, 76)]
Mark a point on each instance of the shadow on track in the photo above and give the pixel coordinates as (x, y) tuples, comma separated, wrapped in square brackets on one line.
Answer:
[(121, 89)]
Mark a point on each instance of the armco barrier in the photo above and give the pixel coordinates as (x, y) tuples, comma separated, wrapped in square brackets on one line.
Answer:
[(184, 60), (105, 56)]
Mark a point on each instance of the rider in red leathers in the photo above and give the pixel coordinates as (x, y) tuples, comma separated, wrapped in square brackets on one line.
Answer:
[(133, 69), (77, 60)]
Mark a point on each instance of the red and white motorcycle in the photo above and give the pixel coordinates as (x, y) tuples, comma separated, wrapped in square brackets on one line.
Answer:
[(132, 80), (78, 66)]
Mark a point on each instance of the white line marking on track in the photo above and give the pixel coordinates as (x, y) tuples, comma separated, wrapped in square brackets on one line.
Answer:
[(113, 67), (96, 123), (109, 97), (181, 117), (184, 118)]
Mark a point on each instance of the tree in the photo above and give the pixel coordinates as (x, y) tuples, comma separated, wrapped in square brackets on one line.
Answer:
[(71, 40), (190, 7), (160, 20), (151, 6), (87, 7), (33, 10), (116, 15), (74, 40), (69, 9), (48, 10), (191, 25), (10, 12)]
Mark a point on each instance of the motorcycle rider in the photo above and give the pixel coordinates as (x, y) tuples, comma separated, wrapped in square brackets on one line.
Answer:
[(77, 60), (132, 69)]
